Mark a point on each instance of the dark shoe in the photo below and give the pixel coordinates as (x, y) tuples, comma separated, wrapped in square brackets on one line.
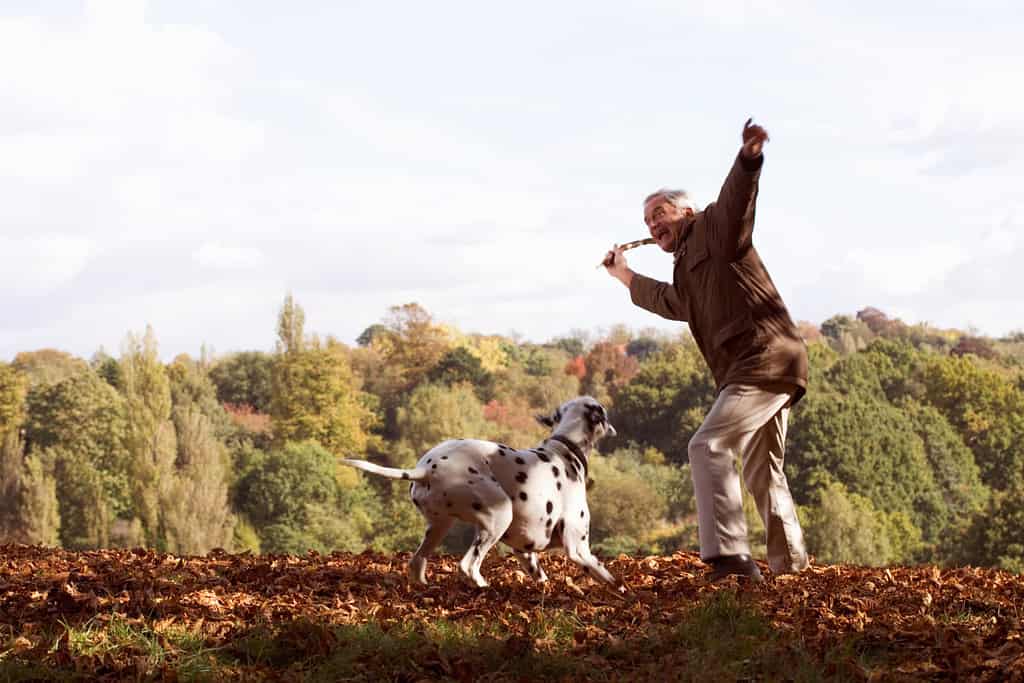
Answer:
[(733, 565)]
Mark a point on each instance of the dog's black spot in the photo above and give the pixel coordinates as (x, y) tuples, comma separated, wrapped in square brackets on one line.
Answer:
[(476, 552), (415, 502), (571, 472), (430, 460), (559, 485), (544, 456), (554, 470), (528, 546), (472, 471), (494, 480), (477, 506), (471, 482), (520, 461), (448, 504), (501, 453), (433, 467), (584, 537), (581, 514), (521, 477), (444, 457), (405, 475), (551, 507), (548, 523), (522, 495)]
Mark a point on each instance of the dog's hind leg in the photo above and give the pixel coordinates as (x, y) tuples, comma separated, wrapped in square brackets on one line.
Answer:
[(437, 528), (531, 565), (491, 523)]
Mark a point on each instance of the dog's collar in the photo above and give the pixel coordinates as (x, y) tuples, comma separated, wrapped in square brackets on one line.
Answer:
[(574, 449)]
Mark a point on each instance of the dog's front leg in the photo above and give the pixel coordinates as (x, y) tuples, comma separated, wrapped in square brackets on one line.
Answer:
[(531, 565), (580, 554)]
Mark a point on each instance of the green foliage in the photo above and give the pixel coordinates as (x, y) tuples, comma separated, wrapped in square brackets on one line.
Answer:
[(13, 388), (667, 400), (994, 537), (845, 527), (150, 436), (316, 397), (986, 409), (194, 504), (48, 366), (294, 501), (80, 425), (434, 413), (245, 378), (459, 366)]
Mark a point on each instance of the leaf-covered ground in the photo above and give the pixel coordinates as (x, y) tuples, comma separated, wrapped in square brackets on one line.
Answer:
[(142, 615)]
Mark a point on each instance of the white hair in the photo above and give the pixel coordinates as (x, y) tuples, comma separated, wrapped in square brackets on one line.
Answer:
[(679, 198)]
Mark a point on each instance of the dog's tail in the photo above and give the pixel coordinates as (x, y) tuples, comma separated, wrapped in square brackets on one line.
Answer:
[(390, 472)]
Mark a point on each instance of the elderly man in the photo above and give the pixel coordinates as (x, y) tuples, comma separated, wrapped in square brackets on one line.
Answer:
[(758, 359)]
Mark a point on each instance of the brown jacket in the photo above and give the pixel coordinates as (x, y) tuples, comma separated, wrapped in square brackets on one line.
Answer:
[(721, 287)]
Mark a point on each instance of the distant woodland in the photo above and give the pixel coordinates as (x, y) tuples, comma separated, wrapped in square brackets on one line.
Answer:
[(907, 449)]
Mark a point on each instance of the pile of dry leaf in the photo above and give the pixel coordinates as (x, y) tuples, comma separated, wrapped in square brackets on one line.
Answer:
[(930, 623)]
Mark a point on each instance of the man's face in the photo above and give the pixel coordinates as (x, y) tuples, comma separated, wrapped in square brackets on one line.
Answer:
[(663, 220)]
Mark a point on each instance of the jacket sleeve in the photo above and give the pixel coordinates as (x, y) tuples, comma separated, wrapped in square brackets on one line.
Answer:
[(732, 216), (657, 297)]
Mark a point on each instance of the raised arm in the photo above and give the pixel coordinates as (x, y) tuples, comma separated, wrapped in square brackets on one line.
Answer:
[(732, 216)]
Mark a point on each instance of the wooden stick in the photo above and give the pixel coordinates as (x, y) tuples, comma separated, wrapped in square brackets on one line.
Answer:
[(630, 245)]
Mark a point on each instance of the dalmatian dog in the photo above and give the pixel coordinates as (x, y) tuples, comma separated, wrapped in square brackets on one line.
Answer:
[(532, 500)]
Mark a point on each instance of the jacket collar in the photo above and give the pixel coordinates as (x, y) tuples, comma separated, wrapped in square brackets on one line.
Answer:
[(684, 234)]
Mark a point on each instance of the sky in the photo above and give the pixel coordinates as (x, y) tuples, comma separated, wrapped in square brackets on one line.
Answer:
[(185, 164)]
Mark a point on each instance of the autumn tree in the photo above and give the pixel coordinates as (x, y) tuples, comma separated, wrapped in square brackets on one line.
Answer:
[(196, 512), (245, 378), (315, 393), (77, 430), (150, 434)]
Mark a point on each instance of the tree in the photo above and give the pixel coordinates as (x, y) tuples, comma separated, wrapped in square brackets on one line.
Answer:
[(845, 527), (48, 366), (994, 538), (460, 366), (13, 389), (245, 378), (77, 430), (666, 401), (38, 510), (609, 369), (150, 433), (434, 413), (845, 334), (197, 517), (316, 396), (293, 499)]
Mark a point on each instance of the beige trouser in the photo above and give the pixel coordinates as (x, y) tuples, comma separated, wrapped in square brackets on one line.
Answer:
[(745, 421)]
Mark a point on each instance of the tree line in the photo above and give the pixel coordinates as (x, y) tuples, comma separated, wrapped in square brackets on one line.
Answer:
[(908, 448)]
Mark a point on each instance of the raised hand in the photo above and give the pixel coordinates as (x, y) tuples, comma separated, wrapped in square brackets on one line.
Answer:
[(754, 137)]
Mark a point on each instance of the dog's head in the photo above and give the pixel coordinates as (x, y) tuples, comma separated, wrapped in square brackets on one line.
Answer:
[(582, 417)]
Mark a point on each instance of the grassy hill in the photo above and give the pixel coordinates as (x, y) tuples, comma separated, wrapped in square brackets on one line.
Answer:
[(137, 614)]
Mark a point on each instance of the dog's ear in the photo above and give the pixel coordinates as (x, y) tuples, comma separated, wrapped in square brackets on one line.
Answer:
[(550, 420)]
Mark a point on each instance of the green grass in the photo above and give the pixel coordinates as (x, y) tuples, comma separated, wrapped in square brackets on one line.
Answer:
[(722, 638)]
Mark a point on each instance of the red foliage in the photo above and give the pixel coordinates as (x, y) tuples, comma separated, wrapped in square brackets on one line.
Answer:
[(576, 367), (246, 417)]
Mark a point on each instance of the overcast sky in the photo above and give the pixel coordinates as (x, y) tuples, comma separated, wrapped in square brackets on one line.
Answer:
[(186, 163)]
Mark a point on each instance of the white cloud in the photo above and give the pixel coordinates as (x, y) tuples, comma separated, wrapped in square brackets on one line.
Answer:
[(223, 257), (40, 264)]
